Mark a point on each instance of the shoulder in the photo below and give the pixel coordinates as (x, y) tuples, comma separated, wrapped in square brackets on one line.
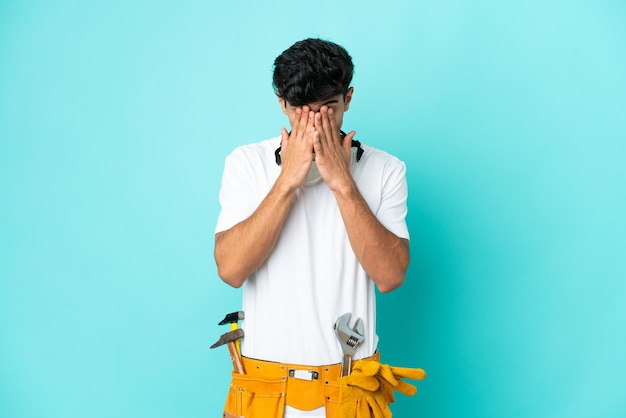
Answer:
[(378, 154), (260, 149), (254, 164), (255, 156), (376, 159)]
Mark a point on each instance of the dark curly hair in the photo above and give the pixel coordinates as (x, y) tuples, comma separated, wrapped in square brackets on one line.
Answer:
[(312, 70)]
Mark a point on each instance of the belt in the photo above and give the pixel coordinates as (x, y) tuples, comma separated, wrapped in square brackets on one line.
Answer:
[(308, 387)]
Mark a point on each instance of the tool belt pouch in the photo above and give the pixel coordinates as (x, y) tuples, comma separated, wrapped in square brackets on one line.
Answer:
[(255, 397), (305, 395)]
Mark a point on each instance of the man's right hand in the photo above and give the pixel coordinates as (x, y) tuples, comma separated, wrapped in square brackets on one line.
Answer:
[(240, 250), (297, 148)]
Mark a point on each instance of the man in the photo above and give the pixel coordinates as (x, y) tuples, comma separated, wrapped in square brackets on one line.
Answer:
[(311, 221)]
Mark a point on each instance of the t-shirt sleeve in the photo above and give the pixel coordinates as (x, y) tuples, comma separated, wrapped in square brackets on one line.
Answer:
[(237, 195), (393, 206)]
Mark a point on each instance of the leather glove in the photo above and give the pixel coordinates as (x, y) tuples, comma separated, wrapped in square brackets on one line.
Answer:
[(390, 379), (357, 402), (368, 390)]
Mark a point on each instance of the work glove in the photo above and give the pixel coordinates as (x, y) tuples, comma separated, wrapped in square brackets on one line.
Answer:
[(368, 390), (358, 402)]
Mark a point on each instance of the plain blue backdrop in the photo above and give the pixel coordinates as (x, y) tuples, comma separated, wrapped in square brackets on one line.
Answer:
[(116, 116)]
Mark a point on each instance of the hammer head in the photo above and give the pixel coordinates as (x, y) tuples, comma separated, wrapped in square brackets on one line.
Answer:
[(232, 318), (229, 337)]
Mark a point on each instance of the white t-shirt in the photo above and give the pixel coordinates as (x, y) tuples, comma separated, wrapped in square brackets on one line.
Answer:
[(312, 276)]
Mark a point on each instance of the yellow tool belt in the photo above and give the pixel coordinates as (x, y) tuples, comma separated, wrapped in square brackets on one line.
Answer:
[(267, 386), (366, 393)]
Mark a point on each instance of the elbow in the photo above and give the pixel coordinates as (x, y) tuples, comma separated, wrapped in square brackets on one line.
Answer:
[(233, 282), (392, 277), (395, 274), (391, 283), (231, 278), (227, 269)]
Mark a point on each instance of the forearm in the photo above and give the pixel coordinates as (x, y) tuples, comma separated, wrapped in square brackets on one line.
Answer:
[(240, 250), (383, 255)]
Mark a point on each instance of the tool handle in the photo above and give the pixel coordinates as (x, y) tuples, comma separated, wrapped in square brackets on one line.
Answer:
[(234, 356), (346, 365), (234, 326)]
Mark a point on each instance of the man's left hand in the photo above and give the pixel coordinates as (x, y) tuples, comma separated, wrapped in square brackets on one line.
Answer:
[(332, 155)]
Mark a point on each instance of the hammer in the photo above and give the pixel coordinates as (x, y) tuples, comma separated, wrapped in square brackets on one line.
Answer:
[(233, 319), (230, 338)]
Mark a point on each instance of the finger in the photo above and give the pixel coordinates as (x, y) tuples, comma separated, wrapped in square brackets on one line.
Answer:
[(317, 144), (331, 121), (284, 137), (347, 141), (311, 120), (319, 124), (305, 135), (306, 110), (326, 126), (304, 122)]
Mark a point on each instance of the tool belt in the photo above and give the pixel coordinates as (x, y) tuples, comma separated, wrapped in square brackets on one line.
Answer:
[(267, 386), (365, 393)]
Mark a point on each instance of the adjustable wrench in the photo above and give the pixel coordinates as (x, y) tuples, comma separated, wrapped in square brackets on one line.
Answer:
[(349, 338)]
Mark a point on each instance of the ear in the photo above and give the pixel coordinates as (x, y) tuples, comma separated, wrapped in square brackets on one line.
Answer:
[(283, 105), (348, 99)]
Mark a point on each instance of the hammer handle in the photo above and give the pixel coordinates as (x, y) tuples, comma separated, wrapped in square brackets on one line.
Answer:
[(234, 326), (234, 356)]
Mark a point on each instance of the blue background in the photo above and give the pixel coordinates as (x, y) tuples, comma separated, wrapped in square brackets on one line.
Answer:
[(116, 116)]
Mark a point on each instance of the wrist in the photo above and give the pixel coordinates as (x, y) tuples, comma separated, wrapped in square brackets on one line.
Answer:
[(345, 189), (286, 186)]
